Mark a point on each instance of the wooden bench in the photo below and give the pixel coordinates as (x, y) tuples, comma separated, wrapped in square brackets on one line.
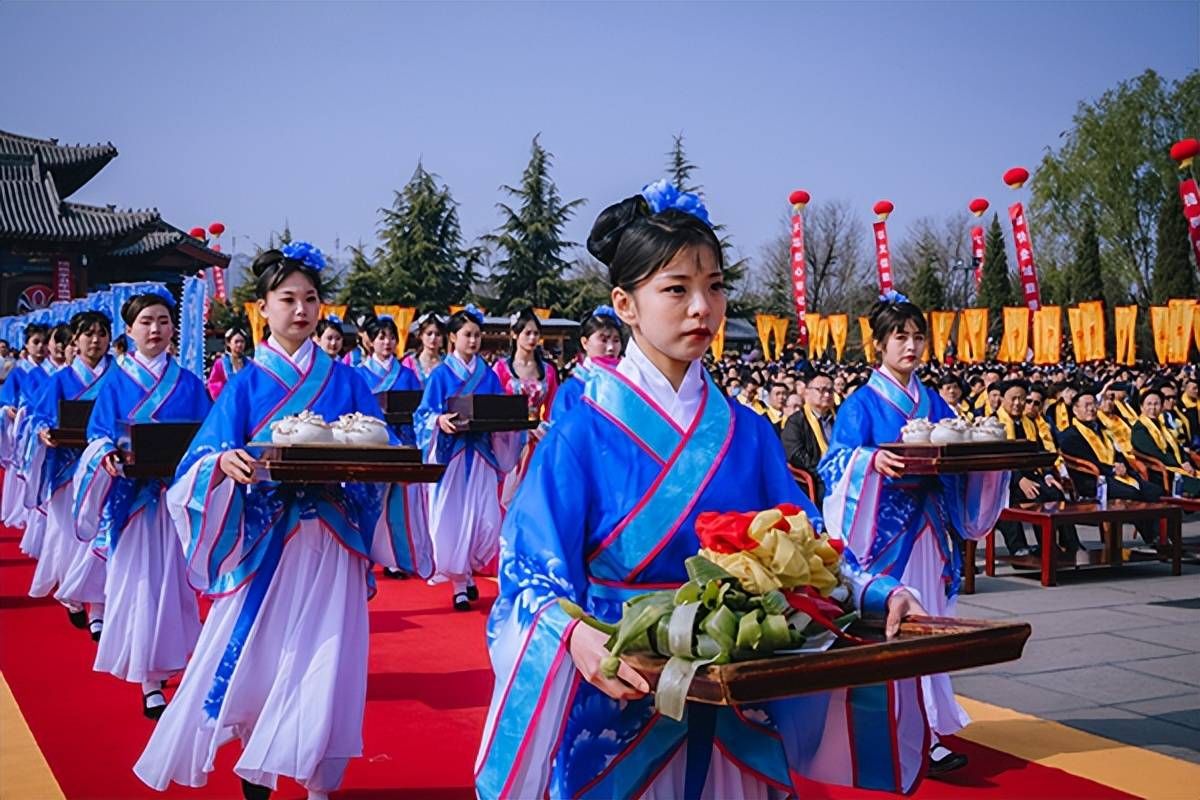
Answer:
[(1049, 516)]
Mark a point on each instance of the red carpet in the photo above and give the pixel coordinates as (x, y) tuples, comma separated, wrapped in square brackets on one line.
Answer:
[(428, 691)]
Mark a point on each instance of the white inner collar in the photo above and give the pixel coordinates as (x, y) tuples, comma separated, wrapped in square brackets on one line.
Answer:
[(681, 406)]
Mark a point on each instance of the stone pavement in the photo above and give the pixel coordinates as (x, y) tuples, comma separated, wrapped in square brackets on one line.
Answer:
[(1115, 652)]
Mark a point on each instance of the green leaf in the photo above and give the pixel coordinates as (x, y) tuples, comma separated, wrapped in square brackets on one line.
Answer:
[(670, 698)]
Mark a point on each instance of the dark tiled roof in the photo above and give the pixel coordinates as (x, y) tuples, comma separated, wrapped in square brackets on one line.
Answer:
[(152, 242), (31, 209), (72, 165)]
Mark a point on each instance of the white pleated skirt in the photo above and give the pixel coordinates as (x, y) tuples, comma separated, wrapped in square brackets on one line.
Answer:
[(297, 695), (724, 781), (56, 548), (464, 518), (84, 580), (151, 617)]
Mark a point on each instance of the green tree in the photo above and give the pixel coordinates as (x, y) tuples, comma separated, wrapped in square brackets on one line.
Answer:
[(927, 290), (995, 287), (585, 287), (530, 239), (679, 169), (1174, 272), (1084, 279), (1114, 163)]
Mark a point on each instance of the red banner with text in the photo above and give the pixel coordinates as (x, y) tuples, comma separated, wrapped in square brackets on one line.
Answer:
[(978, 248), (799, 279), (1191, 209), (219, 283), (1025, 266), (62, 280), (883, 257)]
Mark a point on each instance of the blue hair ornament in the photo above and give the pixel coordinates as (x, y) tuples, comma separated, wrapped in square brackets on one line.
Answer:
[(662, 195), (474, 313), (334, 318), (606, 311), (307, 254), (892, 296), (162, 292)]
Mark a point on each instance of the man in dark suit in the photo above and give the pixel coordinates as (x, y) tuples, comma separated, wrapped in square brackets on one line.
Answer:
[(806, 433)]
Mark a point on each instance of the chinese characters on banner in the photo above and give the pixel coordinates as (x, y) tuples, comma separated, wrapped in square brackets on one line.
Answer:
[(1025, 266), (1191, 209), (62, 280), (977, 250), (219, 283), (883, 257), (799, 279)]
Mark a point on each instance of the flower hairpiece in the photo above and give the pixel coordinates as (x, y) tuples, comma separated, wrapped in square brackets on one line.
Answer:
[(606, 311), (474, 313), (164, 293), (334, 318), (662, 195), (892, 296), (306, 254)]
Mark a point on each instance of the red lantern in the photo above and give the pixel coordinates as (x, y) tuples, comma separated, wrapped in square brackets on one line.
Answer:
[(217, 228), (883, 208), (978, 206), (197, 233), (1184, 151), (799, 198), (216, 248), (1016, 177)]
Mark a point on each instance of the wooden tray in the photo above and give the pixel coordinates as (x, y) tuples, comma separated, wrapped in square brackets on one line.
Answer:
[(69, 437), (336, 453), (339, 463), (398, 407), (925, 646), (923, 458), (154, 449), (75, 414), (498, 425)]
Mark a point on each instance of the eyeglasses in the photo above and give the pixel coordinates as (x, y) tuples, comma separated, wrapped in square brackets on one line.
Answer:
[(821, 389)]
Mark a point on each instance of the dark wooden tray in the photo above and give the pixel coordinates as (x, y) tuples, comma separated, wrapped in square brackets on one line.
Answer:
[(74, 414), (925, 646), (69, 437), (335, 454), (398, 407), (154, 449), (498, 425), (349, 472), (923, 458)]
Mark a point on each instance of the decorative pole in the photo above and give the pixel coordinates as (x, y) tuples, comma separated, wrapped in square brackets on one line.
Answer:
[(978, 207), (883, 255), (799, 199), (1015, 178)]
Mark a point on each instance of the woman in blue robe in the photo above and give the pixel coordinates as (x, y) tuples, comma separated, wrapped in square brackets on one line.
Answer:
[(67, 561), (464, 506), (910, 527), (16, 394), (404, 525), (608, 511), (600, 337), (281, 663), (151, 618)]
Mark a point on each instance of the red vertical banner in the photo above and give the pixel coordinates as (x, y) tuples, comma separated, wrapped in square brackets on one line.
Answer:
[(1025, 265), (799, 277), (978, 248), (62, 280), (219, 283), (1191, 209), (883, 256)]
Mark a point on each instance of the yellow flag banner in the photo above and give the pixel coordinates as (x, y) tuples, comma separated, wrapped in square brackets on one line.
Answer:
[(1075, 322), (1092, 318), (812, 321), (1015, 342), (838, 323), (928, 338), (403, 317), (257, 322), (1047, 335), (338, 311), (1179, 319), (455, 309), (779, 328), (972, 335), (718, 342), (542, 313), (762, 323), (1124, 326), (868, 342), (1160, 327), (940, 325), (820, 338)]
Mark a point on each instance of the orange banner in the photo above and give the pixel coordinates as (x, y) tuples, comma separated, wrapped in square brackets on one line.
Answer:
[(868, 343), (1160, 327), (940, 325), (338, 311), (819, 333), (1179, 338), (258, 323), (838, 324), (762, 323), (972, 335), (542, 313), (1015, 343), (779, 329), (1047, 335), (1124, 326), (718, 342), (1091, 316)]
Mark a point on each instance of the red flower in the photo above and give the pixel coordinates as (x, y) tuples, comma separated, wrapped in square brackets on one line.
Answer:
[(725, 533)]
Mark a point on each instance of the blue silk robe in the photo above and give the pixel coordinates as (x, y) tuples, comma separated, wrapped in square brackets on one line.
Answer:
[(570, 392), (608, 511)]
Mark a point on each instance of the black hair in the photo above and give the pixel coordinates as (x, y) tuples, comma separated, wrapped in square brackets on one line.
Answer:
[(272, 267), (887, 318), (776, 385), (1015, 383), (61, 334), (993, 370), (594, 323), (635, 243), (34, 328), (1086, 390), (381, 324), (518, 323), (817, 374), (235, 330), (140, 302), (84, 321), (1153, 390), (460, 318), (1040, 388), (324, 325), (427, 319), (949, 380)]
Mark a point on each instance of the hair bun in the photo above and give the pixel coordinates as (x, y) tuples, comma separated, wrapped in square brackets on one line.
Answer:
[(606, 231), (264, 261)]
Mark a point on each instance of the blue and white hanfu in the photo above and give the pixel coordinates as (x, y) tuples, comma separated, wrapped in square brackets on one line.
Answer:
[(403, 528), (16, 395), (608, 511), (151, 618), (66, 561), (282, 660), (910, 527), (464, 507)]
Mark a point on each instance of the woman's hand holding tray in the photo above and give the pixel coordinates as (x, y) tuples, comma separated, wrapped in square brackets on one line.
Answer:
[(342, 463)]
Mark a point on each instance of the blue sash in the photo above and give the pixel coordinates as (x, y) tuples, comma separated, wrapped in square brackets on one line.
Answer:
[(899, 398), (689, 466)]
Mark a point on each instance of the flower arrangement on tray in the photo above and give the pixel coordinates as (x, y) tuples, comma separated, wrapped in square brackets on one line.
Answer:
[(764, 583)]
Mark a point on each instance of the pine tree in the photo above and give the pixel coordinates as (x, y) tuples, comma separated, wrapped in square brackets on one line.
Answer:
[(530, 273), (364, 284), (1174, 273), (679, 169), (927, 290), (995, 288), (1084, 281)]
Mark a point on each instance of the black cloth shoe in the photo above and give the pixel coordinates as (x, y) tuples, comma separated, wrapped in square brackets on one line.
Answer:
[(78, 618), (395, 574), (472, 591), (252, 791), (96, 627), (461, 602), (943, 760), (153, 712)]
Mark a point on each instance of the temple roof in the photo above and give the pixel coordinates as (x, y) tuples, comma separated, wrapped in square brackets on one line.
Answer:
[(72, 165), (164, 237)]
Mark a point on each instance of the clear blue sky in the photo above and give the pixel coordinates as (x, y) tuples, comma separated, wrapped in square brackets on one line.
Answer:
[(315, 112)]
